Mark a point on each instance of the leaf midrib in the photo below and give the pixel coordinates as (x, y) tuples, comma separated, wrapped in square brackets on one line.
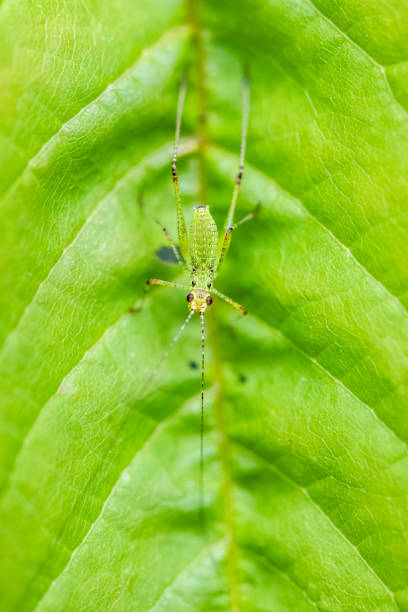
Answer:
[(264, 459), (295, 346), (273, 467)]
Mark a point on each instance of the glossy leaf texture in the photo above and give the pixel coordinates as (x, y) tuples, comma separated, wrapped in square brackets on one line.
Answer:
[(306, 403)]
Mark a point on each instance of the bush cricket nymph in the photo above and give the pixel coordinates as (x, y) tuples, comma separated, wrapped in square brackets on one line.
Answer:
[(202, 250)]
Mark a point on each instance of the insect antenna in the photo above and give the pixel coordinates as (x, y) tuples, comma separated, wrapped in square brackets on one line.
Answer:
[(167, 351), (182, 327), (202, 421)]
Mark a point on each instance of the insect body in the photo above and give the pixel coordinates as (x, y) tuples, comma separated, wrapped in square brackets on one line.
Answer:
[(202, 249)]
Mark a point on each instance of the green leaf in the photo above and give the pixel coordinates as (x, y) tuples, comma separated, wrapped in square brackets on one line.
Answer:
[(306, 401)]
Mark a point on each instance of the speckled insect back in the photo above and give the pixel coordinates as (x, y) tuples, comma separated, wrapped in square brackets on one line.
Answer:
[(203, 250), (203, 245)]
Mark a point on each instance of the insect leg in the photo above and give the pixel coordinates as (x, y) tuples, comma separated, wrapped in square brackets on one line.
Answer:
[(154, 281), (227, 299), (166, 353), (223, 248), (157, 281), (181, 222), (251, 215), (245, 115), (171, 242), (228, 226)]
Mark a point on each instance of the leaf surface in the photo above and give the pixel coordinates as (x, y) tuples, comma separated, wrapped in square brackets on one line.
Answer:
[(306, 404)]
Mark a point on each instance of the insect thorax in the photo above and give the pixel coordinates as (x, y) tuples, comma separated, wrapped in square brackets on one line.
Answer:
[(203, 245)]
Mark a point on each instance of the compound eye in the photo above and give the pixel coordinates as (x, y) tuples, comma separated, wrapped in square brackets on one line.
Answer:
[(190, 297), (208, 299)]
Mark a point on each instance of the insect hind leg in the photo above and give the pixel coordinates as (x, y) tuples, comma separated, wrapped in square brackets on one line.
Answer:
[(229, 226), (181, 223), (224, 246)]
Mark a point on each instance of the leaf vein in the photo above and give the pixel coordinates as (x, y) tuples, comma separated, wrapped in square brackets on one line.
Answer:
[(185, 569), (325, 228), (267, 561), (74, 117), (115, 486), (88, 220), (306, 493), (383, 69)]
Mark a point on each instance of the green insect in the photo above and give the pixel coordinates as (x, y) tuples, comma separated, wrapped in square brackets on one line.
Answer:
[(203, 251)]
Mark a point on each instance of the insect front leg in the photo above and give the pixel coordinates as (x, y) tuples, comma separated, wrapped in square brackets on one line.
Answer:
[(154, 281), (157, 281)]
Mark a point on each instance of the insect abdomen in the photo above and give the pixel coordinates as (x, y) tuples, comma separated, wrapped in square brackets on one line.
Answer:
[(203, 241)]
